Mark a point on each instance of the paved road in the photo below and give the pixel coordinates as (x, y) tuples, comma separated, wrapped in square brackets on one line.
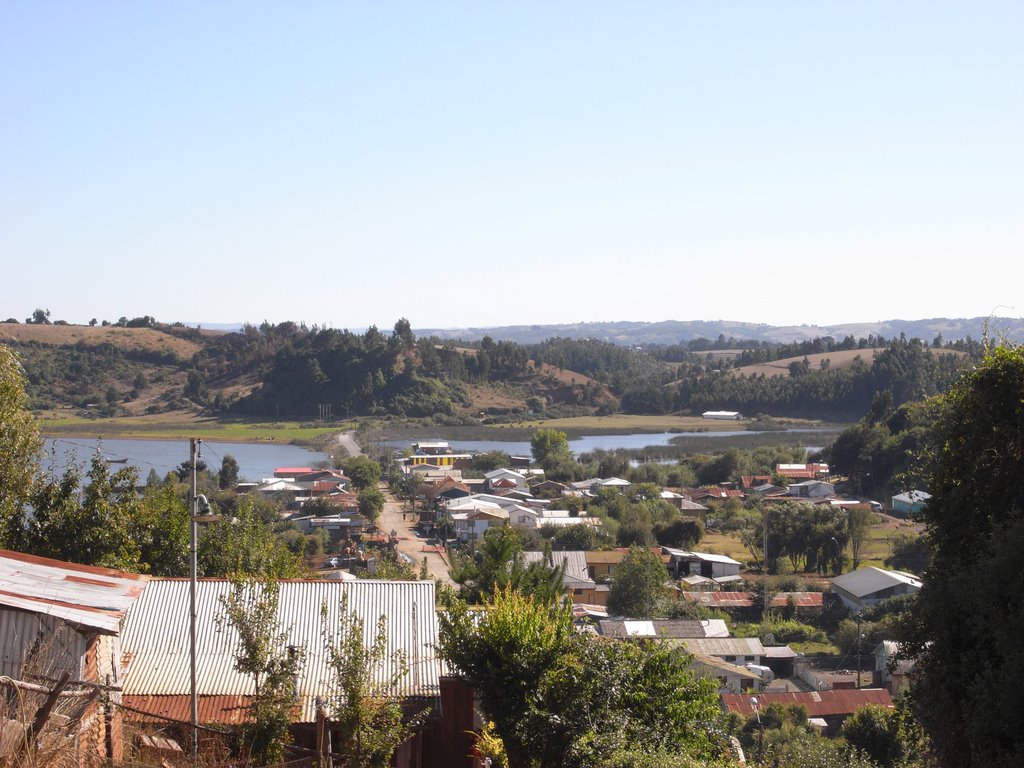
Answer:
[(349, 444), (416, 548)]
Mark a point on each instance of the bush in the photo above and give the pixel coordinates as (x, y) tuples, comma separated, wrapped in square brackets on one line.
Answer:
[(785, 631)]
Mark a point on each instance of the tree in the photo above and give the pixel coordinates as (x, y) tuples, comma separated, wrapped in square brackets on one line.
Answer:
[(228, 476), (562, 699), (968, 670), (909, 553), (262, 653), (39, 317), (371, 504), (497, 564), (570, 538), (638, 584), (888, 736), (366, 706), (97, 525), (245, 546), (549, 447), (20, 444), (364, 472), (859, 520)]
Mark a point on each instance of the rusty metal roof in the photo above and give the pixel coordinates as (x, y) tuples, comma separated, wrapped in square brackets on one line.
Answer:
[(155, 639), (84, 595), (818, 703)]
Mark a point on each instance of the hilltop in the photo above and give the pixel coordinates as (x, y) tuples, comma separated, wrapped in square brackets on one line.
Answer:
[(629, 333), (290, 371)]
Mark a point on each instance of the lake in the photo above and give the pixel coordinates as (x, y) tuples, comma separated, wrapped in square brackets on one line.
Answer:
[(589, 443), (255, 460)]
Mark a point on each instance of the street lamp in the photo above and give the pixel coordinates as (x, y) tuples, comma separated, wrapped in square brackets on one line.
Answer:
[(756, 706), (839, 555), (200, 511)]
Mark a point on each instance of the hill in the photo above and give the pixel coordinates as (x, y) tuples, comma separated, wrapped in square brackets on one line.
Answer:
[(120, 371), (676, 331), (290, 371)]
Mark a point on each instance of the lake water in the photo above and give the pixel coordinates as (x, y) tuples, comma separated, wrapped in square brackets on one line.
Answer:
[(589, 443), (255, 460)]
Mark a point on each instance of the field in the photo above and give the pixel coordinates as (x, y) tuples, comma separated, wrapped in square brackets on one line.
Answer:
[(838, 359), (148, 339), (183, 425)]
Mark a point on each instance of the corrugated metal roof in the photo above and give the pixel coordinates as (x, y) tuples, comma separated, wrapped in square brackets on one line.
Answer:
[(156, 636), (818, 703), (84, 595), (725, 646), (869, 580)]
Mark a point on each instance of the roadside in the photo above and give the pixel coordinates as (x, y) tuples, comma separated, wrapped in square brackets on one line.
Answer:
[(397, 517)]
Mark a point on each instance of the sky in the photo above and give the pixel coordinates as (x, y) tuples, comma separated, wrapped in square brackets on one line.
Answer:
[(483, 164)]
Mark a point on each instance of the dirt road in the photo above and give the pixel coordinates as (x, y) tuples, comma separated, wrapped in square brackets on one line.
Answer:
[(391, 519)]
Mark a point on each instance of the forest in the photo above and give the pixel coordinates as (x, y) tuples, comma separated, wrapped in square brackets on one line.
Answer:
[(294, 371)]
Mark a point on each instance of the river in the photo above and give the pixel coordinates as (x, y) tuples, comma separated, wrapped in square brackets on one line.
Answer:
[(255, 460)]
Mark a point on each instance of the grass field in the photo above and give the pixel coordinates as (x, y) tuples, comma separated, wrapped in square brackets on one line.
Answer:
[(163, 427), (876, 549)]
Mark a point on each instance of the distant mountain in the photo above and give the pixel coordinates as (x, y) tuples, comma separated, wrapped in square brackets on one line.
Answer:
[(629, 333)]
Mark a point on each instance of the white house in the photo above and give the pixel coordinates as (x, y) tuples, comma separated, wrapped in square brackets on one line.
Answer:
[(870, 586), (472, 525), (505, 478)]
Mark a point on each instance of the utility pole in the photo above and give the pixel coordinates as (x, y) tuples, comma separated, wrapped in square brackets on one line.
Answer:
[(764, 518), (193, 512)]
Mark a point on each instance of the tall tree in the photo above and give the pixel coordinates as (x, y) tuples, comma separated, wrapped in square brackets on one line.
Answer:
[(562, 699), (366, 706), (20, 444), (638, 584), (363, 471), (227, 477), (968, 622), (263, 654)]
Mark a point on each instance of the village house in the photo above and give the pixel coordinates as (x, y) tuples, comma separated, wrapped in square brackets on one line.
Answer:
[(576, 580), (833, 707), (909, 503), (156, 629), (505, 479), (811, 489), (59, 618), (799, 472), (685, 565), (870, 586)]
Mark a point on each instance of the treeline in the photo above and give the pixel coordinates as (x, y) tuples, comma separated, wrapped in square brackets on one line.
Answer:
[(907, 369)]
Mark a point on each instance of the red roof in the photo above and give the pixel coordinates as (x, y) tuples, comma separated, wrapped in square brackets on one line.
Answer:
[(818, 703), (227, 710), (292, 471)]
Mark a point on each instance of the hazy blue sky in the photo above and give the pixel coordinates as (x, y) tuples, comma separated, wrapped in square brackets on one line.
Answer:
[(486, 164)]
